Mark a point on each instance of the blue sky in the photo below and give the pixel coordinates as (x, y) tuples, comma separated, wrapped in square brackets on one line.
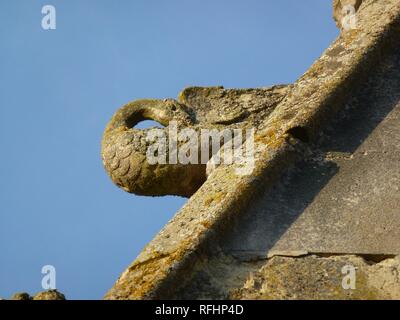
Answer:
[(59, 88)]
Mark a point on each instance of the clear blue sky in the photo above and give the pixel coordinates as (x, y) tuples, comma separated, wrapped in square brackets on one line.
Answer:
[(59, 88)]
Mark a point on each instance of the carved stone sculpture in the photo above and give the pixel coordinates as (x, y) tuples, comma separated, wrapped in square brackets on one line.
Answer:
[(124, 148)]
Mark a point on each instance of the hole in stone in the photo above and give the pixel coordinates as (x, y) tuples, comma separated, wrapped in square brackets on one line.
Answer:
[(299, 133), (147, 124)]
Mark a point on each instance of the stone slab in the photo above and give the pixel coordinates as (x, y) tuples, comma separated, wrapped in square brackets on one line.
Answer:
[(345, 197)]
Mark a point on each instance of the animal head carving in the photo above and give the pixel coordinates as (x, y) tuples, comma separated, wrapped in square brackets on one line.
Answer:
[(124, 150)]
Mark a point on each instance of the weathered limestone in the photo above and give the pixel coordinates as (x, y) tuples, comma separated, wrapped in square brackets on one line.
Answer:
[(237, 226), (49, 295), (44, 295), (344, 197), (320, 278), (339, 9), (21, 296)]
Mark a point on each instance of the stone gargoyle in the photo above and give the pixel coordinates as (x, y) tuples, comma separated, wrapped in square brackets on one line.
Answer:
[(124, 147)]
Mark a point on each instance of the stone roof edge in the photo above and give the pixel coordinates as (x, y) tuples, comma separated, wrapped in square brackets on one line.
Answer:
[(167, 261)]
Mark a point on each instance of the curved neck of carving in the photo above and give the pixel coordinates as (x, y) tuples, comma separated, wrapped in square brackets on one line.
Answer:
[(134, 112)]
